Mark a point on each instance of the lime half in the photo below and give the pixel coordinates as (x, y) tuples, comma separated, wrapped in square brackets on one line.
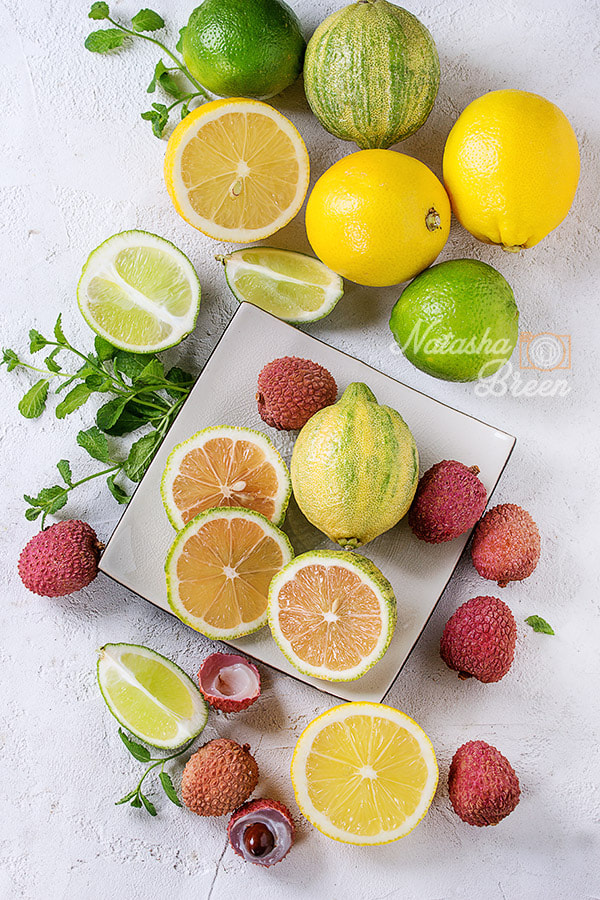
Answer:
[(292, 286), (139, 292), (150, 696)]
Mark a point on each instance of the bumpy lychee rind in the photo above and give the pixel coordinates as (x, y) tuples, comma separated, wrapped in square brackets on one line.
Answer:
[(219, 777), (506, 544), (479, 639), (449, 500), (60, 559), (291, 390), (274, 814), (482, 785), (208, 681)]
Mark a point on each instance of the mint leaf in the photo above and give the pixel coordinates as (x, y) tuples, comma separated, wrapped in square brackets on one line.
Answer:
[(50, 360), (99, 11), (105, 40), (127, 797), (140, 455), (141, 753), (170, 85), (104, 349), (64, 468), (136, 801), (10, 359), (37, 341), (98, 383), (116, 490), (179, 44), (540, 625), (74, 399), (158, 117), (148, 804), (159, 70), (147, 20), (131, 364), (52, 499), (132, 418), (33, 403), (185, 110), (58, 332), (181, 379), (32, 513), (108, 414), (95, 443), (152, 373), (169, 788)]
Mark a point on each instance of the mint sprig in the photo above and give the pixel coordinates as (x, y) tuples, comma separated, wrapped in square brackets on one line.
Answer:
[(540, 625), (136, 797), (175, 81)]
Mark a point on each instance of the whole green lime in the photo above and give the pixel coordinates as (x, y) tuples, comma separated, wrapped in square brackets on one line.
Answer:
[(457, 320), (244, 48)]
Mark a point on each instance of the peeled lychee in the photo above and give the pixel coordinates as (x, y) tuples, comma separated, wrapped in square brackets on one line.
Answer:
[(482, 784), (291, 390), (229, 682), (479, 639), (218, 778), (261, 831), (449, 500), (60, 559), (506, 544)]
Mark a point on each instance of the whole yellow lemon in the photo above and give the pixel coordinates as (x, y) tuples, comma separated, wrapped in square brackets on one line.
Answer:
[(511, 167), (378, 217)]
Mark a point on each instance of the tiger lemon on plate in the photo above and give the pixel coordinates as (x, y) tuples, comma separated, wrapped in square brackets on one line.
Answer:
[(364, 773), (511, 167), (237, 170)]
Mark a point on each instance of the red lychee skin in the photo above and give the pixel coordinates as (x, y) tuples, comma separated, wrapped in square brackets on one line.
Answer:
[(479, 639), (449, 500), (482, 784), (226, 704), (291, 390), (61, 559), (218, 777), (252, 806), (506, 544)]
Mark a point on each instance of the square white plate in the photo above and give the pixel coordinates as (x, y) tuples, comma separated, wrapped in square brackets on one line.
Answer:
[(225, 395)]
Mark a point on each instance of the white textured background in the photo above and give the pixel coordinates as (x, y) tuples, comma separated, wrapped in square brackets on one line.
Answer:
[(78, 165)]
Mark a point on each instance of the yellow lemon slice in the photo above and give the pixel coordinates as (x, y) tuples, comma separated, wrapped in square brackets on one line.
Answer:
[(364, 773), (237, 170)]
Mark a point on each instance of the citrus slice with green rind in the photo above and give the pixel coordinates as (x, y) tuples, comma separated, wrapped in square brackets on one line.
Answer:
[(364, 773), (332, 613), (139, 292), (150, 696), (219, 568), (292, 286)]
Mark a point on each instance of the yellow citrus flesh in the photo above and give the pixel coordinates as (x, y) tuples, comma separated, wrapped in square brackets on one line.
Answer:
[(364, 773), (511, 167), (378, 217), (220, 568), (237, 170)]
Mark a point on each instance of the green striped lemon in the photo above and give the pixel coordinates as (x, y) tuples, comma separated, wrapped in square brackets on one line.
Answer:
[(371, 73), (355, 468)]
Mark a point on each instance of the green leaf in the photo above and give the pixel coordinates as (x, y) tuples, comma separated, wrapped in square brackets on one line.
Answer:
[(132, 418), (141, 753), (94, 442), (74, 399), (116, 490), (50, 360), (33, 403), (159, 69), (169, 789), (131, 364), (147, 20), (98, 383), (171, 86), (32, 513), (64, 468), (140, 455), (540, 625), (152, 373), (136, 802), (53, 498), (158, 116), (105, 40), (37, 341), (179, 44), (108, 414), (185, 110), (10, 359), (99, 11), (181, 379), (58, 332), (148, 804), (104, 349), (127, 797)]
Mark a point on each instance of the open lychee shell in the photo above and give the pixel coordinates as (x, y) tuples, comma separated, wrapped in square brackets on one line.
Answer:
[(229, 682), (274, 823)]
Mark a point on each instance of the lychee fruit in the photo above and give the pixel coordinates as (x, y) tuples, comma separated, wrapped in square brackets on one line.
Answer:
[(60, 559), (229, 682), (482, 784), (479, 639), (506, 544), (449, 500), (218, 778), (261, 831), (291, 390)]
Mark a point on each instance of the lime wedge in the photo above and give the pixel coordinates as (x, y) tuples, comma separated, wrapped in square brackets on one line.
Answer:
[(150, 696), (292, 286), (139, 292)]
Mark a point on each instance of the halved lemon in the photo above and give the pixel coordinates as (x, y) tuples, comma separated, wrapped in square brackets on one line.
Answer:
[(332, 613), (225, 466), (150, 696), (219, 569), (364, 773), (237, 170)]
